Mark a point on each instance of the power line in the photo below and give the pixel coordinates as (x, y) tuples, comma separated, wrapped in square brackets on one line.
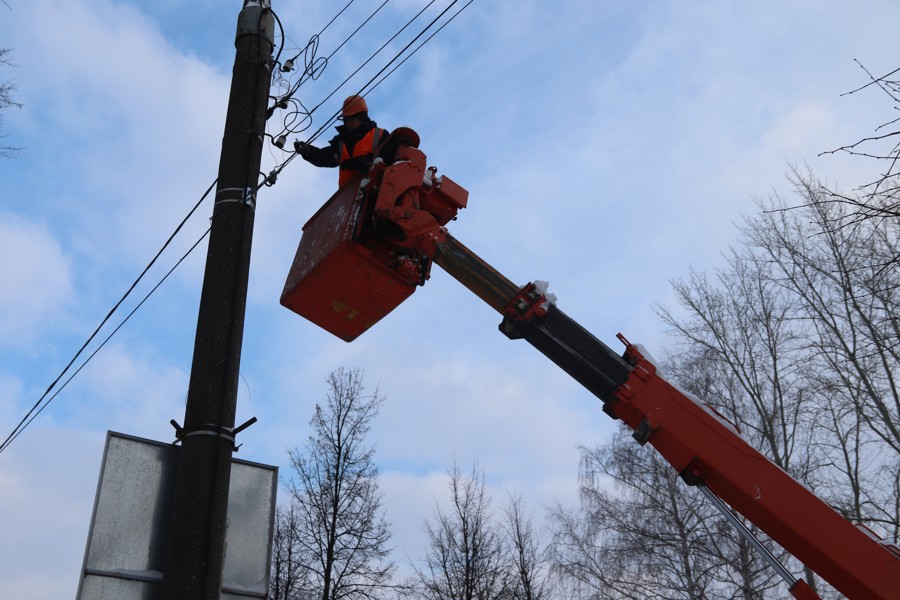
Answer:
[(368, 60), (44, 401), (28, 418), (355, 31), (270, 179), (22, 427), (312, 69), (425, 41), (310, 72)]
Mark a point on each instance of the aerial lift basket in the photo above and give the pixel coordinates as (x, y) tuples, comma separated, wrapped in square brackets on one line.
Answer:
[(335, 280), (372, 244)]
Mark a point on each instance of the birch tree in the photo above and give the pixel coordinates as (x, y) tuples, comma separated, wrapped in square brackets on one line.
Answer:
[(877, 199), (847, 294), (796, 340), (640, 532), (803, 320)]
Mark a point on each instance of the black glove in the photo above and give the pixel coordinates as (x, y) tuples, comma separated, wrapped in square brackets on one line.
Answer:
[(359, 163), (301, 148)]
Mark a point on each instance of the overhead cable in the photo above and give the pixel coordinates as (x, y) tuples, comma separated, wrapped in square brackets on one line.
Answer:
[(273, 174), (295, 121), (425, 41), (362, 91), (28, 418), (311, 71)]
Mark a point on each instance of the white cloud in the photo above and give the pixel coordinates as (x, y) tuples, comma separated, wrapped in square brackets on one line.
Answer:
[(607, 147), (136, 392), (37, 280), (410, 500), (49, 477), (136, 125)]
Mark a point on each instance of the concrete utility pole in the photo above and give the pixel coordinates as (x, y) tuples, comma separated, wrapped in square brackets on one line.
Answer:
[(196, 544)]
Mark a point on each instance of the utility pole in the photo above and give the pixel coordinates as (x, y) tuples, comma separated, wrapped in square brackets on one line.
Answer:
[(196, 544)]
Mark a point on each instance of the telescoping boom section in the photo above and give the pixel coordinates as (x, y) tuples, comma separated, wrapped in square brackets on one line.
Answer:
[(373, 243)]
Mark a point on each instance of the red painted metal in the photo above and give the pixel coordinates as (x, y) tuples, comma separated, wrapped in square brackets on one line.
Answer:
[(372, 243), (801, 591), (705, 448), (368, 248), (335, 281), (527, 304)]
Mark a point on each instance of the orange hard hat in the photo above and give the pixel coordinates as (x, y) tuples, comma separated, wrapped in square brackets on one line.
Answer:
[(354, 105)]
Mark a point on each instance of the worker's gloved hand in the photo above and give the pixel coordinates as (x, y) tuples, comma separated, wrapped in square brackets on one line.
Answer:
[(359, 163), (301, 148)]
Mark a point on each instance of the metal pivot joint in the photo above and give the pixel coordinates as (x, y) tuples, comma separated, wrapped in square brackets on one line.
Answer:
[(526, 306)]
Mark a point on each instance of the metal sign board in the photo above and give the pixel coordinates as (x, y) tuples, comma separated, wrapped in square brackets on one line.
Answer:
[(125, 550)]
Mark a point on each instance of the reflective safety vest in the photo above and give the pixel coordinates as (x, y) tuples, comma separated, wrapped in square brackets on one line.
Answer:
[(366, 145)]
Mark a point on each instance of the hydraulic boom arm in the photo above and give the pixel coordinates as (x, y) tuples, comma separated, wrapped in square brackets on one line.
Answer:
[(701, 445), (373, 243)]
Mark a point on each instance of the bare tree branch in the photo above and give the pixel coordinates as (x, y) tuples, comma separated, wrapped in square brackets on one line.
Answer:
[(466, 558), (336, 533), (875, 200), (7, 89)]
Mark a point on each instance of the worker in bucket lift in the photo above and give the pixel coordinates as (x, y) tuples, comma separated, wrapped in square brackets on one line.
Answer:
[(353, 148)]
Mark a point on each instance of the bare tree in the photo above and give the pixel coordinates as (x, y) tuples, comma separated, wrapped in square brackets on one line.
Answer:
[(743, 353), (341, 535), (847, 294), (797, 341), (290, 576), (7, 88), (528, 581), (642, 533), (877, 199), (465, 559)]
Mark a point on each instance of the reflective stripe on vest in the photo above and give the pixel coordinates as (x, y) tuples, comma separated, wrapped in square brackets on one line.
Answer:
[(366, 145)]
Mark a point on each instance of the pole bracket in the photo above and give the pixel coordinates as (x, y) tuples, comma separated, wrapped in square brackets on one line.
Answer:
[(228, 433), (232, 195)]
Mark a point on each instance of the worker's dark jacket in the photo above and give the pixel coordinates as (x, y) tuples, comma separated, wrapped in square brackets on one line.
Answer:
[(351, 150)]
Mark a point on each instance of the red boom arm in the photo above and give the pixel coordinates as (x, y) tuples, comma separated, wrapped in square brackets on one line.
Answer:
[(372, 244)]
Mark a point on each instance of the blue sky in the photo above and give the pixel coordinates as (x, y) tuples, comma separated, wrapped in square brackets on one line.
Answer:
[(608, 147)]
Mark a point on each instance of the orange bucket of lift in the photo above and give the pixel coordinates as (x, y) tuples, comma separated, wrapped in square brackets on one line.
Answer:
[(337, 282)]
